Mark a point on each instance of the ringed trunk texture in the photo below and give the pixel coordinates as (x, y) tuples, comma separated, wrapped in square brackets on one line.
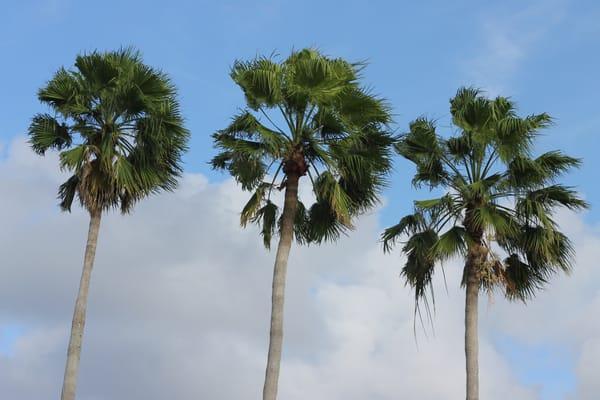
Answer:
[(471, 336), (74, 350), (277, 299)]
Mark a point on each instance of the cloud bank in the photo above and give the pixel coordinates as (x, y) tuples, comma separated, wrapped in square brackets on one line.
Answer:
[(180, 298)]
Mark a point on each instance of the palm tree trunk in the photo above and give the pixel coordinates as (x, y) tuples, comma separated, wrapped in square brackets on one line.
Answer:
[(277, 299), (471, 335), (74, 350)]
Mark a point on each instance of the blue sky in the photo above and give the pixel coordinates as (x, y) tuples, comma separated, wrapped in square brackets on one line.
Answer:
[(544, 54), (540, 53)]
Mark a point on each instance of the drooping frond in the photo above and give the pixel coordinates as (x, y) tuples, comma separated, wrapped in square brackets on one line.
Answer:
[(420, 262), (522, 280), (322, 224), (537, 252), (409, 224)]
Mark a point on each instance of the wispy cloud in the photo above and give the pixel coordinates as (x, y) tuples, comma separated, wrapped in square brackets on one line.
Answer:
[(508, 40)]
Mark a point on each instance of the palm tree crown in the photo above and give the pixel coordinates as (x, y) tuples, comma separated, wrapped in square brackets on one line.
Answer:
[(307, 116), (117, 124), (499, 197)]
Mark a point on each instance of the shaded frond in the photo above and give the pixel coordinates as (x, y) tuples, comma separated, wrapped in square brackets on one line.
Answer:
[(409, 224), (451, 243), (420, 262), (45, 133)]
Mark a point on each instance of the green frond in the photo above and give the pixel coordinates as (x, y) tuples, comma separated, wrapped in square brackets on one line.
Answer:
[(557, 195), (322, 224), (362, 162), (66, 94), (328, 189), (67, 192), (492, 219), (458, 147), (422, 146), (514, 136), (261, 81), (545, 248), (358, 108), (451, 243), (302, 232), (463, 98), (363, 154), (555, 163), (253, 204), (445, 202), (527, 173), (421, 142), (247, 170), (328, 123), (420, 262), (473, 115), (266, 217), (74, 158), (245, 128), (45, 133), (538, 205), (311, 77), (409, 224), (521, 280)]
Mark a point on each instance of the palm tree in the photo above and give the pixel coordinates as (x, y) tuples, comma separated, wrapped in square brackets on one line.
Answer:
[(305, 116), (117, 125), (496, 214)]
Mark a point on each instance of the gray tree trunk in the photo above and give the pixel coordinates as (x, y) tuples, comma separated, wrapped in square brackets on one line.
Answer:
[(471, 336), (74, 350), (277, 299)]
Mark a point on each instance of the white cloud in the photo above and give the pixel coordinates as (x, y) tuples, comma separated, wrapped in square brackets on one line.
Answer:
[(508, 40), (180, 299)]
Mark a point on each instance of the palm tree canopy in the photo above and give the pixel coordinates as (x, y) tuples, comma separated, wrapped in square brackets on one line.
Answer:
[(307, 115), (497, 195), (117, 125)]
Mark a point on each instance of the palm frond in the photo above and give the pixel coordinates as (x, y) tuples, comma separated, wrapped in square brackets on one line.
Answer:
[(420, 262), (409, 224), (453, 242), (261, 81), (45, 133)]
